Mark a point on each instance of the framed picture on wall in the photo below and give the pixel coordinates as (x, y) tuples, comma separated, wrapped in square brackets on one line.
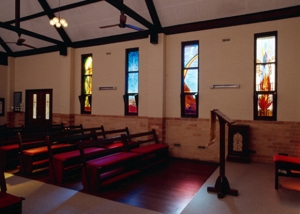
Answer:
[(17, 101), (2, 110)]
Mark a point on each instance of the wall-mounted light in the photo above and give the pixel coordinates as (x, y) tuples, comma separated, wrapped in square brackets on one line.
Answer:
[(216, 86), (58, 21)]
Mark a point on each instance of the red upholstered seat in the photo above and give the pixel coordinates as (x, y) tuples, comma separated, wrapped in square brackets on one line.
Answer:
[(109, 169), (113, 164), (118, 144), (44, 149), (113, 145), (150, 148), (112, 159), (286, 166), (71, 160), (10, 203), (76, 154), (9, 147), (281, 158)]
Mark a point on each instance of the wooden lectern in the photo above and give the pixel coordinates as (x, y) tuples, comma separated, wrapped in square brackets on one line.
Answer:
[(222, 185)]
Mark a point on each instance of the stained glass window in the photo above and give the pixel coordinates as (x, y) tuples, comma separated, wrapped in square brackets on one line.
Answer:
[(34, 108), (265, 76), (132, 82), (47, 107), (87, 80), (190, 79)]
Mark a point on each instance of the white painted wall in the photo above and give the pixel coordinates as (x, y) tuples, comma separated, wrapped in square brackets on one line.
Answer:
[(233, 62), (220, 62)]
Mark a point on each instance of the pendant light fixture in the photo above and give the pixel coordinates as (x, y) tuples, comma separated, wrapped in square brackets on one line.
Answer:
[(58, 21)]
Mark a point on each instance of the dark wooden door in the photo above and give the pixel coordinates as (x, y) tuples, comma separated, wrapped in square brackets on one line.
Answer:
[(38, 108)]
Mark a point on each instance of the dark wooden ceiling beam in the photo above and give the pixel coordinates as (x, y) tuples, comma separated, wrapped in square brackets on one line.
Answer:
[(236, 20), (29, 33), (131, 13), (54, 10), (3, 58), (30, 52), (153, 14), (112, 39), (17, 13), (5, 47), (60, 30)]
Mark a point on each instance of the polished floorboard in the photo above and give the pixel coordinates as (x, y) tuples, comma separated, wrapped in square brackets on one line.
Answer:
[(167, 187)]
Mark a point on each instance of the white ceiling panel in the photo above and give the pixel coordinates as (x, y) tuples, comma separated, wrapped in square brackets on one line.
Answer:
[(84, 21)]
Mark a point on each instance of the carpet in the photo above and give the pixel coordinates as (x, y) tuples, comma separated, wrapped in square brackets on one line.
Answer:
[(255, 184), (45, 198)]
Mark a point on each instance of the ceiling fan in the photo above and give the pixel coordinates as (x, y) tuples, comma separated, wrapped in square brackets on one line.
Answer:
[(122, 23), (20, 41)]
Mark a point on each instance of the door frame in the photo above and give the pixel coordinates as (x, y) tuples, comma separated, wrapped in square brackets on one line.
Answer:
[(27, 91)]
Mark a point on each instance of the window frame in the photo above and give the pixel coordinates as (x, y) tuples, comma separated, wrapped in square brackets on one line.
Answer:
[(127, 94), (273, 92), (83, 95), (184, 94)]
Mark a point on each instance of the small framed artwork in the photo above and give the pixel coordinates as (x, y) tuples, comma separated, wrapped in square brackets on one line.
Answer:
[(17, 101), (2, 105)]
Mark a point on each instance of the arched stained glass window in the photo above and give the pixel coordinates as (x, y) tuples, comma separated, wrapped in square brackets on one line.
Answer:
[(265, 89), (190, 79)]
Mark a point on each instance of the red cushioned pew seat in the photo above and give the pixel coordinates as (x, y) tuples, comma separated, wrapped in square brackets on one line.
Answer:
[(67, 163), (151, 150), (64, 163), (10, 154), (286, 166), (8, 203), (109, 169), (111, 166), (38, 158)]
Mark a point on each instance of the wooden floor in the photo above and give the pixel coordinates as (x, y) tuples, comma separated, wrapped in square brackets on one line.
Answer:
[(165, 188)]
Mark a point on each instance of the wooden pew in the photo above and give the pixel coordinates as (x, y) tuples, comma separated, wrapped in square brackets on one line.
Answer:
[(67, 164), (115, 133), (286, 166), (9, 150), (55, 127), (8, 203), (34, 151), (11, 132), (74, 130), (111, 166), (9, 147), (2, 131), (149, 148)]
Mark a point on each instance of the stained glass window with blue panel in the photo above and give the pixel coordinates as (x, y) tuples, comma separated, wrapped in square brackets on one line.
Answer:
[(190, 79), (132, 82)]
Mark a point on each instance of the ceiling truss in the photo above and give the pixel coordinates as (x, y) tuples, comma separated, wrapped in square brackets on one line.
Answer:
[(153, 28)]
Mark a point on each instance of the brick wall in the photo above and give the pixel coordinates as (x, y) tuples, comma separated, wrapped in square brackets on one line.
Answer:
[(265, 138), (15, 119), (188, 138)]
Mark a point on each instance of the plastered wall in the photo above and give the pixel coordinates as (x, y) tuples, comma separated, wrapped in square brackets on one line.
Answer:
[(230, 62)]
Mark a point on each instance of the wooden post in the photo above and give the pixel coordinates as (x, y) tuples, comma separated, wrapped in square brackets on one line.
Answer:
[(222, 186)]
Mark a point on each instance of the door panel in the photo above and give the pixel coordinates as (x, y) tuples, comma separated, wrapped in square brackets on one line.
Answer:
[(38, 108)]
